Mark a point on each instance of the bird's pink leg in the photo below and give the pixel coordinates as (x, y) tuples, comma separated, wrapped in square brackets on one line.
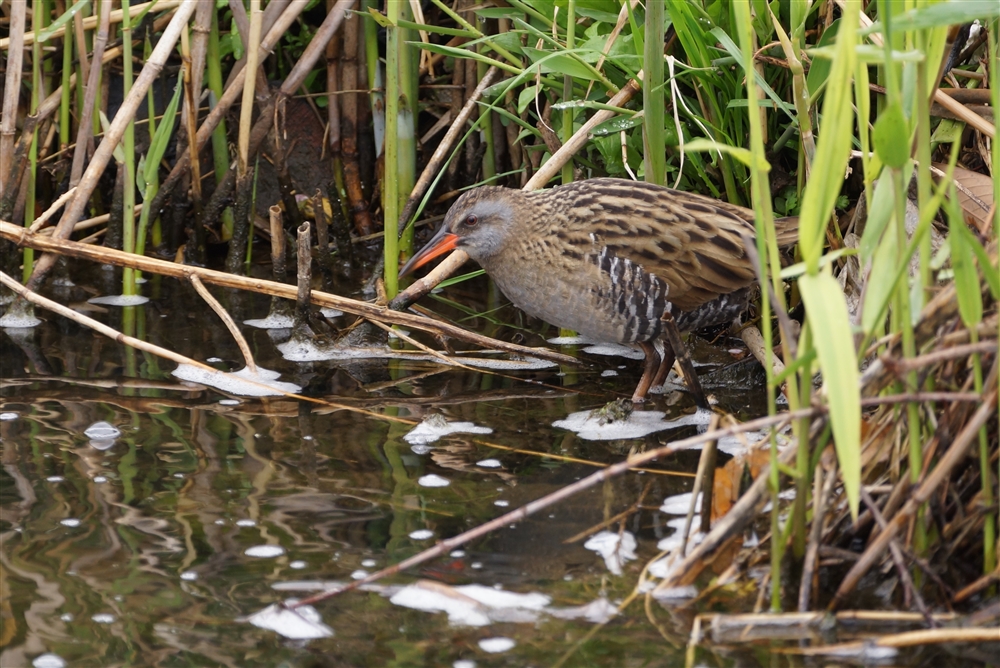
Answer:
[(665, 364), (650, 367)]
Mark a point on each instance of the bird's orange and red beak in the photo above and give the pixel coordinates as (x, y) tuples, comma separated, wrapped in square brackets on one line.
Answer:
[(441, 243)]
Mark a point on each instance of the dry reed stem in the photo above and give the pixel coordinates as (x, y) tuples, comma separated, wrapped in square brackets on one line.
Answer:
[(20, 236), (12, 87), (90, 22), (897, 640), (922, 492)]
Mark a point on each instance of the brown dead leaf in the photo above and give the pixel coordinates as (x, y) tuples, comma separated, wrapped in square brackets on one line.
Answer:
[(975, 195)]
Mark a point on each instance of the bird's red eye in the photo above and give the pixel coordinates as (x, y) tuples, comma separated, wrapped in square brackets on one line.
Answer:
[(471, 220)]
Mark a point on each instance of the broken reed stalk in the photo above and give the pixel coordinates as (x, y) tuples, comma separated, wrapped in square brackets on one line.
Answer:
[(322, 237), (673, 336), (280, 308), (303, 276)]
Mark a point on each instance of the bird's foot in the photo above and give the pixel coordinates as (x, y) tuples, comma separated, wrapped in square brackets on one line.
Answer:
[(618, 410)]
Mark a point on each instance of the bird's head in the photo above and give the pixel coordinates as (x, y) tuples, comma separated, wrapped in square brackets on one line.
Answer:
[(479, 223)]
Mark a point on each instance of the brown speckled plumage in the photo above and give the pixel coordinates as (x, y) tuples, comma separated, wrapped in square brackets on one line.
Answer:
[(607, 257)]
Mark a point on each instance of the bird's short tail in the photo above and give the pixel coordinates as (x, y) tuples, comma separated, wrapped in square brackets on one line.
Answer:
[(787, 231)]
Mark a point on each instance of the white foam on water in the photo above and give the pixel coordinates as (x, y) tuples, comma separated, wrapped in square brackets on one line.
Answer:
[(262, 385), (272, 321), (568, 340), (19, 321), (302, 623), (302, 350), (735, 444), (615, 350), (471, 605), (513, 363), (679, 504), (102, 431), (119, 300), (636, 425), (435, 426), (615, 551), (433, 480), (598, 611), (264, 551), (49, 660), (496, 645), (673, 541), (683, 593)]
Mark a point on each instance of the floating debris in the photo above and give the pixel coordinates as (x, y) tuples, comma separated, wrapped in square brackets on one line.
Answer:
[(262, 384), (435, 426), (637, 425), (302, 623), (615, 550)]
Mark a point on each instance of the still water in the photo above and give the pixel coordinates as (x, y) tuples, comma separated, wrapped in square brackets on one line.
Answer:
[(145, 518)]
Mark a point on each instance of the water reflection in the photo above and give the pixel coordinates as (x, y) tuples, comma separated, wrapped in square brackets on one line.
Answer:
[(150, 540)]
